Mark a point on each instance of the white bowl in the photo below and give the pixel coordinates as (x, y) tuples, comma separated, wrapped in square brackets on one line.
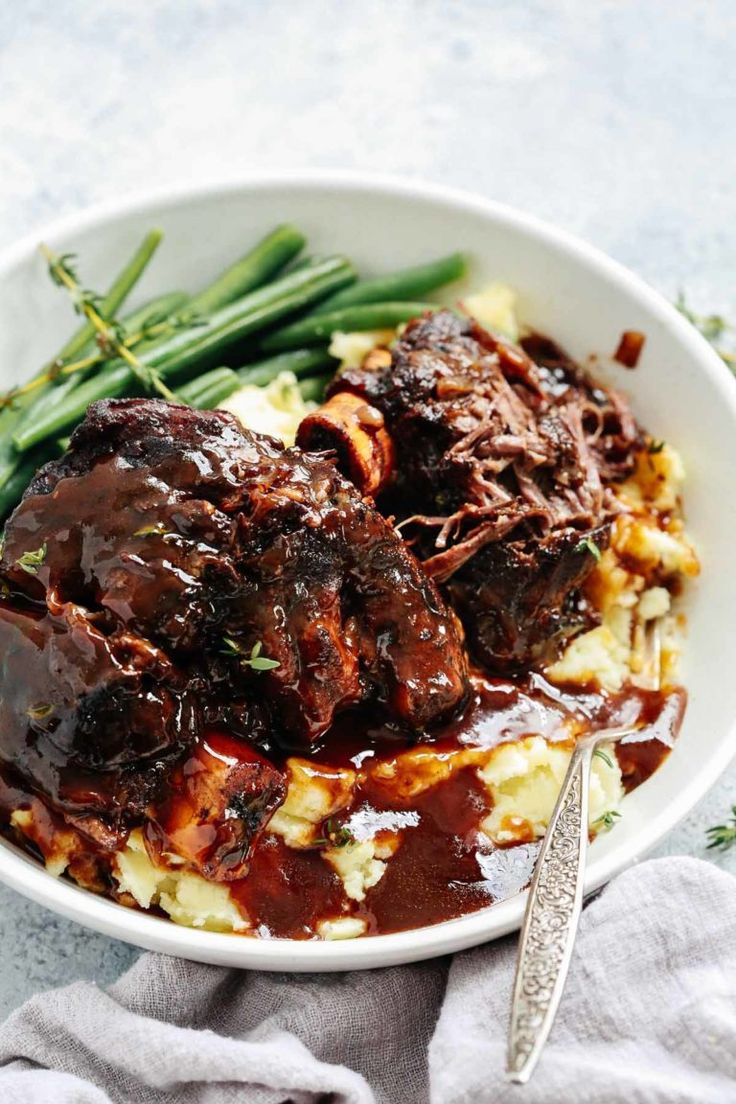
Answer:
[(681, 391)]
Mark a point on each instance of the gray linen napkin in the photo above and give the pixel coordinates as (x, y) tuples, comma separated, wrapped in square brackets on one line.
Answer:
[(649, 1017)]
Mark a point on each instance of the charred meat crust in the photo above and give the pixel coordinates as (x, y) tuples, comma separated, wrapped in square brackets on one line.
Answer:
[(504, 457), (168, 543)]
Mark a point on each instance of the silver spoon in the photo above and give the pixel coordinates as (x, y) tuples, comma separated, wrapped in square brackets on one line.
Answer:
[(556, 896), (552, 913)]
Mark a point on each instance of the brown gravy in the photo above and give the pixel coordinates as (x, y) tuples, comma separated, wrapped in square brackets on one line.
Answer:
[(444, 867)]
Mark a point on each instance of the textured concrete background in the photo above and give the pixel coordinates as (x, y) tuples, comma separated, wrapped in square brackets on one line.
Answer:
[(613, 119)]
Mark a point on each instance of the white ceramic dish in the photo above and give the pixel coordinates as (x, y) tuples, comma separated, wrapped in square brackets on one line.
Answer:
[(680, 391)]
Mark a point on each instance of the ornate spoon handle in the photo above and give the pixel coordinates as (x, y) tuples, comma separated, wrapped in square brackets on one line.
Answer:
[(551, 920)]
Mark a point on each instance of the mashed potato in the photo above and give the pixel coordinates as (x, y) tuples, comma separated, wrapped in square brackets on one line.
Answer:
[(356, 865), (649, 548), (351, 349), (523, 781), (495, 308), (315, 792), (186, 897), (276, 409), (344, 927)]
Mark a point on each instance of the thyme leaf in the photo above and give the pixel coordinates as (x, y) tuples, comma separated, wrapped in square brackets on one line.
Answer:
[(31, 561), (261, 663), (606, 820), (588, 545), (335, 835), (713, 327), (723, 836), (255, 660)]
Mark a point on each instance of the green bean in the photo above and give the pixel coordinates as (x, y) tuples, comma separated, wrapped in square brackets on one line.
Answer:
[(50, 397), (120, 288), (318, 328), (304, 262), (302, 362), (188, 347), (19, 478), (210, 389), (313, 389), (155, 310), (251, 314), (46, 399), (9, 418), (251, 271), (407, 283)]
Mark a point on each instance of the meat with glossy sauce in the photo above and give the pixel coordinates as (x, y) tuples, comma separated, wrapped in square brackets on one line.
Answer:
[(497, 461), (172, 573)]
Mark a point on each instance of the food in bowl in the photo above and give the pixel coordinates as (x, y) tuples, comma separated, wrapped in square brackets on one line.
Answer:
[(329, 689)]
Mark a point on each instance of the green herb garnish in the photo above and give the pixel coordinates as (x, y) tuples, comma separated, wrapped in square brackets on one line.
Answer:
[(655, 446), (588, 545), (255, 660), (606, 821), (723, 835), (31, 561), (335, 836), (110, 334), (601, 754), (713, 328)]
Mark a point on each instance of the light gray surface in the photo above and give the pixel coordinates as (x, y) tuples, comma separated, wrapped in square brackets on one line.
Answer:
[(652, 1026), (612, 119)]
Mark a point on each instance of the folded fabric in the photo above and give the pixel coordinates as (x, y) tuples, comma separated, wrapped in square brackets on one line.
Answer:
[(648, 1017)]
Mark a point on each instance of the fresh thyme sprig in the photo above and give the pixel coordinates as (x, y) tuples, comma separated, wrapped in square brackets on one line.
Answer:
[(161, 326), (723, 835), (713, 327), (111, 338), (55, 371)]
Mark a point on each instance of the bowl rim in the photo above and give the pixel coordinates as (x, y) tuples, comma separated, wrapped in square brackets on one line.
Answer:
[(25, 875)]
